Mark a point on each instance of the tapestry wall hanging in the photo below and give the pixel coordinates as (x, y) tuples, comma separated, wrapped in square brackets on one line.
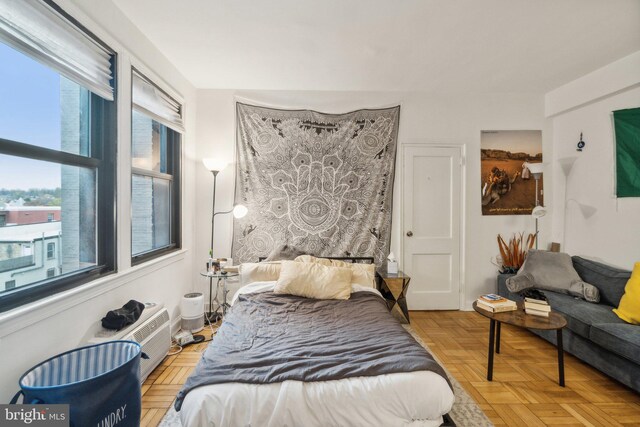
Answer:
[(508, 187), (322, 183), (627, 129)]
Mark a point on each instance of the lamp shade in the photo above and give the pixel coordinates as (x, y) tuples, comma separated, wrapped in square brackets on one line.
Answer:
[(567, 164), (214, 164), (539, 212), (587, 211), (535, 168), (240, 211)]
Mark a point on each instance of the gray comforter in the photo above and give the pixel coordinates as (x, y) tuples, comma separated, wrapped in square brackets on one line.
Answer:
[(269, 338)]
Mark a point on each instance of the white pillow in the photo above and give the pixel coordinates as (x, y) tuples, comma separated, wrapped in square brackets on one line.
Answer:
[(363, 274), (251, 272), (312, 280)]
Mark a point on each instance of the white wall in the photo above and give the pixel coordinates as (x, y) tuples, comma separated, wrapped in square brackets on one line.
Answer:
[(34, 332), (424, 118), (585, 105)]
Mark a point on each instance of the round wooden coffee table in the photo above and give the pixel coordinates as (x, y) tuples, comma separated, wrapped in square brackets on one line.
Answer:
[(522, 320)]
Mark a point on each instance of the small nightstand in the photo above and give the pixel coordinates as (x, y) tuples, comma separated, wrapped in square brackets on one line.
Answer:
[(219, 306), (393, 288)]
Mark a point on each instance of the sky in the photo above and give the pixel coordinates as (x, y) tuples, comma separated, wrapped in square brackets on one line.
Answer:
[(516, 141), (29, 113)]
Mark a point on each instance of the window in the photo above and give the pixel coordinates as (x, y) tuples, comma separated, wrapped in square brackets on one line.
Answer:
[(51, 250), (57, 153), (155, 180)]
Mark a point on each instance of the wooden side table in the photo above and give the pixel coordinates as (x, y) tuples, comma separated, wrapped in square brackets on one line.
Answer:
[(393, 288), (519, 318)]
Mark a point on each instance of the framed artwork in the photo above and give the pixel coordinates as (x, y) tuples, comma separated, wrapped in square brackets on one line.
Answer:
[(508, 185)]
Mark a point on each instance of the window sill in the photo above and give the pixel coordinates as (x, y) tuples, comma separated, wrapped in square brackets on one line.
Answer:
[(29, 314), (151, 255)]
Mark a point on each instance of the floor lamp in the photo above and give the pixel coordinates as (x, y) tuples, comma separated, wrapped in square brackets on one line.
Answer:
[(215, 166), (538, 211), (587, 211)]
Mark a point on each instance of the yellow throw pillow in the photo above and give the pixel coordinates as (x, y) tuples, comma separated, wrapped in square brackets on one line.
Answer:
[(629, 307), (313, 280), (363, 274)]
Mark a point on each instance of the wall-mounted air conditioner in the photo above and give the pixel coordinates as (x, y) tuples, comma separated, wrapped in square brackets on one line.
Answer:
[(152, 331)]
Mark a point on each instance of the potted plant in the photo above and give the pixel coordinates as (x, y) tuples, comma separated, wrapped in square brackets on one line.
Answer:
[(512, 254)]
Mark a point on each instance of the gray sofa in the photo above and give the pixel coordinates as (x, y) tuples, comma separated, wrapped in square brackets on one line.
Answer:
[(594, 333)]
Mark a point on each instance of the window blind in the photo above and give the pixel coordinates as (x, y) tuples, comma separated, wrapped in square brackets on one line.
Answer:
[(37, 30), (151, 101)]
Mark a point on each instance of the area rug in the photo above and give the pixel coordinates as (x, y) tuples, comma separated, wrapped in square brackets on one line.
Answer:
[(322, 183), (465, 411)]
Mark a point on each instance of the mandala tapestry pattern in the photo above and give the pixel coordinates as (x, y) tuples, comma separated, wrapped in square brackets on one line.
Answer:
[(320, 182)]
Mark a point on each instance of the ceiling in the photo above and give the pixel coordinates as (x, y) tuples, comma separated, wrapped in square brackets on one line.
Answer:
[(388, 45)]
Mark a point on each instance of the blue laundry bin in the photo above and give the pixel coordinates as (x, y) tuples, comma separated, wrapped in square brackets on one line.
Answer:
[(100, 383)]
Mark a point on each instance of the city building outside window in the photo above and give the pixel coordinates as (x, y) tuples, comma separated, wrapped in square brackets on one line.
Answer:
[(155, 180), (57, 155), (51, 250)]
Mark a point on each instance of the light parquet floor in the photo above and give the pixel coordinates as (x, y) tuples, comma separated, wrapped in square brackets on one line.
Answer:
[(161, 386), (524, 390)]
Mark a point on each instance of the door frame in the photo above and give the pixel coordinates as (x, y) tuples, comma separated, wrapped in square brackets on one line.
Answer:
[(462, 147)]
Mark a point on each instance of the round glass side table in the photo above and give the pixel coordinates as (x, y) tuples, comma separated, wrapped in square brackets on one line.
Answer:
[(220, 307)]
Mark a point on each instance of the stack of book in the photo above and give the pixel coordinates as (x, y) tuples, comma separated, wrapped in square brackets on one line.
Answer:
[(537, 307), (495, 303)]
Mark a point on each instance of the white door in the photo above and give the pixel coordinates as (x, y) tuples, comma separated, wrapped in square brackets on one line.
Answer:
[(432, 192)]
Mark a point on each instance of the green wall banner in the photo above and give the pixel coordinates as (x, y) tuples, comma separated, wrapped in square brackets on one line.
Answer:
[(627, 128)]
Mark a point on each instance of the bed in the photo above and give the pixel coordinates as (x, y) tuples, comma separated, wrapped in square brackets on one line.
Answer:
[(286, 360)]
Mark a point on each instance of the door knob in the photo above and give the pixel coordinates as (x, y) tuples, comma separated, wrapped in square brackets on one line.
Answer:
[(409, 233)]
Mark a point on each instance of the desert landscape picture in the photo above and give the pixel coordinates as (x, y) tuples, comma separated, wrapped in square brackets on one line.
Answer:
[(508, 187)]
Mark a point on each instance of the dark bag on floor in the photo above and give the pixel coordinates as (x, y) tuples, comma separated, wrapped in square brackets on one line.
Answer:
[(125, 316)]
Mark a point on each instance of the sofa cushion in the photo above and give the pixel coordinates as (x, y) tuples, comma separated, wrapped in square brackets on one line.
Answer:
[(552, 271), (580, 314), (620, 338), (610, 281)]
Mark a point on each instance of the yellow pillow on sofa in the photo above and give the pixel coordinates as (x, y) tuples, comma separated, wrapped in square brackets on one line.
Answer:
[(629, 307)]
